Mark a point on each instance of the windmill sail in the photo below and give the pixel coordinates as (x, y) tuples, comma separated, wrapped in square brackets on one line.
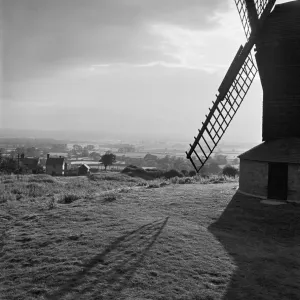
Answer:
[(242, 9), (232, 92), (261, 6), (250, 11), (224, 108)]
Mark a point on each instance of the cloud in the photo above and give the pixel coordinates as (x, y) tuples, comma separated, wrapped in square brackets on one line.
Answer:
[(160, 64), (42, 36)]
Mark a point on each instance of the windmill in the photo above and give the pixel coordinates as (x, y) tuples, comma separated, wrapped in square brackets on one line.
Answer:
[(275, 33)]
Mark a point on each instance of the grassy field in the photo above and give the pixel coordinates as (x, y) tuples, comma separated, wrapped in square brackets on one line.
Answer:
[(115, 237)]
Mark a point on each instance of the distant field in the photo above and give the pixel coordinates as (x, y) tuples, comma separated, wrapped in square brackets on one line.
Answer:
[(191, 241), (229, 154), (141, 154), (88, 162)]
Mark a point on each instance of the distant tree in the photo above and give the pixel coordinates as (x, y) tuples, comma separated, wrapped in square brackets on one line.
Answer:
[(230, 171), (31, 152), (126, 148), (85, 152), (19, 150), (9, 165), (90, 147), (204, 170), (108, 159), (150, 157), (95, 155), (192, 173), (58, 147), (185, 172), (214, 168), (179, 163), (172, 173), (77, 148), (220, 159)]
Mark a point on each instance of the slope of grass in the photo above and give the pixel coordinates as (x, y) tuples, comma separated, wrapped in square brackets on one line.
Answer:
[(173, 242)]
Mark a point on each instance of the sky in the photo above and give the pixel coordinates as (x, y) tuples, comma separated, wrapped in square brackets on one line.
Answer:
[(140, 67)]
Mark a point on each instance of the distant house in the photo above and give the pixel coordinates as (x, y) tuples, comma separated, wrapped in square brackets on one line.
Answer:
[(84, 170), (58, 154), (29, 164), (55, 165)]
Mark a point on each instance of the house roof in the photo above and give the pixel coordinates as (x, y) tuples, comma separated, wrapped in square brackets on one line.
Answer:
[(55, 161), (30, 162), (85, 166), (65, 154), (282, 150)]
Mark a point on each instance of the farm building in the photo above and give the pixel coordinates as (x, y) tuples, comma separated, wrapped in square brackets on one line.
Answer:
[(55, 165), (84, 169), (272, 170), (58, 154), (31, 164)]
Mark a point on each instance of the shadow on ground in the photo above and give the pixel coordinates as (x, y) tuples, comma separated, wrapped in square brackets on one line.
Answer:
[(109, 272), (264, 242)]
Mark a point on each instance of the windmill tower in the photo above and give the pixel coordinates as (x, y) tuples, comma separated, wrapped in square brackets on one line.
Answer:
[(271, 169)]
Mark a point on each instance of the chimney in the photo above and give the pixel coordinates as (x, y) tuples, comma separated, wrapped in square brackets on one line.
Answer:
[(48, 155)]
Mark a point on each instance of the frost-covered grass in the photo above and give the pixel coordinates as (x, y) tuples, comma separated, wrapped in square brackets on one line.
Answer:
[(135, 241)]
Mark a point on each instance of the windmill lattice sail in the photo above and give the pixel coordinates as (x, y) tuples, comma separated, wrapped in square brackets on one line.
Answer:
[(221, 114), (259, 5), (234, 86), (242, 9)]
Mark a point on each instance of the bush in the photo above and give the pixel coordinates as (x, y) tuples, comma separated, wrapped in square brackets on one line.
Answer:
[(184, 180), (51, 203), (149, 174), (192, 173), (153, 185), (213, 168), (230, 171), (130, 167), (110, 196), (69, 198), (172, 173), (185, 172)]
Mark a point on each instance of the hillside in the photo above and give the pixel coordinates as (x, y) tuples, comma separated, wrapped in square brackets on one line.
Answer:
[(191, 241)]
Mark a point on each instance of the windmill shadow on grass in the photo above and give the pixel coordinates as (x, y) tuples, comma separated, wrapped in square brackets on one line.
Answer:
[(264, 242), (109, 272)]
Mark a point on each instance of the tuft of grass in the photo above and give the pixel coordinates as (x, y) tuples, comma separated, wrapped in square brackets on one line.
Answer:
[(213, 179), (42, 178), (111, 196), (51, 204), (153, 185), (182, 180), (68, 198), (7, 196)]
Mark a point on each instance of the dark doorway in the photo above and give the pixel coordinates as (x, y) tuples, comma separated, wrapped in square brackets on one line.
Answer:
[(278, 181)]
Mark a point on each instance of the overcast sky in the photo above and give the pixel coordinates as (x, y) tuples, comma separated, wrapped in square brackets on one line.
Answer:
[(124, 66)]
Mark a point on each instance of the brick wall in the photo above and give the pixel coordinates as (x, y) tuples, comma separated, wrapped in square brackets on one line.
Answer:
[(253, 177)]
